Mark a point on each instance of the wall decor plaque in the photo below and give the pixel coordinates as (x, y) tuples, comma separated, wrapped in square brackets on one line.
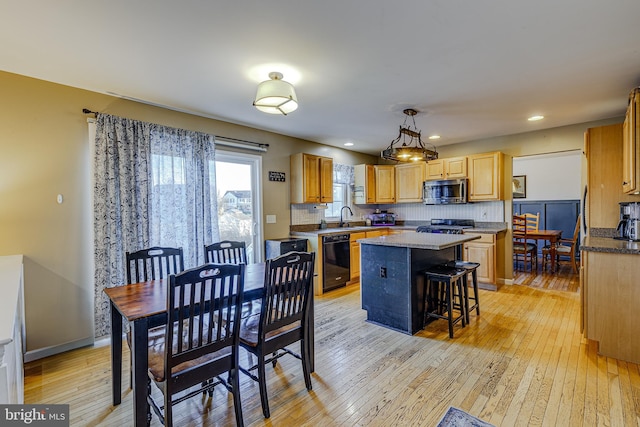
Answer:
[(276, 176)]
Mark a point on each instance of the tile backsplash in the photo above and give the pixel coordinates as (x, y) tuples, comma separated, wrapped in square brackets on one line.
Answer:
[(482, 211)]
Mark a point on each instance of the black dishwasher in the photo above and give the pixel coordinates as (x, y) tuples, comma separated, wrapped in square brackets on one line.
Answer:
[(336, 260), (276, 247)]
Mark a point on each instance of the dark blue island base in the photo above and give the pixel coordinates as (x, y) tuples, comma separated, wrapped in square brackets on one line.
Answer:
[(392, 286)]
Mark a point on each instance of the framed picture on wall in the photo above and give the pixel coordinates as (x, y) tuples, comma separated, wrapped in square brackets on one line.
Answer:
[(520, 187)]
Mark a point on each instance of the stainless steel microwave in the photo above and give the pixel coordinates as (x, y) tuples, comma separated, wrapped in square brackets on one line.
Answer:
[(444, 192)]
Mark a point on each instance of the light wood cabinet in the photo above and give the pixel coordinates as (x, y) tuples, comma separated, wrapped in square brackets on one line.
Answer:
[(355, 254), (487, 176), (604, 150), (385, 183), (483, 251), (611, 295), (409, 180), (311, 178), (631, 145), (365, 184), (451, 168)]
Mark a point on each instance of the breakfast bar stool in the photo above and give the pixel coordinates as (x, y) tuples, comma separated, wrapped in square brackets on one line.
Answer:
[(471, 268), (440, 295)]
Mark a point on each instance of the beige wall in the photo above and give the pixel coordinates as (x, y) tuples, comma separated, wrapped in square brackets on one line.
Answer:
[(45, 152)]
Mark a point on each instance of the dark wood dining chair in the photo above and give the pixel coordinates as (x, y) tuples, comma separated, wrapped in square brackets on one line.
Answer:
[(282, 320), (522, 248), (150, 264), (564, 248), (229, 252), (153, 263), (201, 340), (226, 251)]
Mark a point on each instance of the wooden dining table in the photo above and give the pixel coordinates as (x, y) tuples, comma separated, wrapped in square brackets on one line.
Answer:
[(552, 236), (144, 306)]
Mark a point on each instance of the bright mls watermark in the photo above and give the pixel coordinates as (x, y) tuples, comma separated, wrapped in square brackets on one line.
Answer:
[(34, 415)]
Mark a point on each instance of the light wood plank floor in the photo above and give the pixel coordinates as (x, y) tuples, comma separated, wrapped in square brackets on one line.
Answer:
[(522, 362)]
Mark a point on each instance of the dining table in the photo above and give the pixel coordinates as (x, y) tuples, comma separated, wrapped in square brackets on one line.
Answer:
[(552, 236), (144, 306)]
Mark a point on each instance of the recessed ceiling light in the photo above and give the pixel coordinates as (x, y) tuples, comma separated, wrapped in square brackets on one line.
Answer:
[(535, 118), (434, 137), (348, 144)]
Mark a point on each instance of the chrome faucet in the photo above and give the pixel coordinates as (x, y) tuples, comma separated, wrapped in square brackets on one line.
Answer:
[(342, 223)]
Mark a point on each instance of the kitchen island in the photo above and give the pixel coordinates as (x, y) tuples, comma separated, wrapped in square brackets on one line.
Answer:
[(391, 283)]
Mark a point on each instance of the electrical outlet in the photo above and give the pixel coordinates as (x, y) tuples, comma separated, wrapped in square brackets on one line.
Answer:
[(383, 272)]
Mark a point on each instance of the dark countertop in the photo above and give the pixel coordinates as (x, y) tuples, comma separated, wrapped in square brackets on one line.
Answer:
[(609, 245), (419, 240)]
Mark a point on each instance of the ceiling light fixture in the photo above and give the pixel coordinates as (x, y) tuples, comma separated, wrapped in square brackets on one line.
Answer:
[(535, 118), (412, 148), (276, 96)]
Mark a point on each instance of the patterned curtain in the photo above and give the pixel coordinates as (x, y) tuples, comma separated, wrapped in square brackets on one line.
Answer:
[(154, 186)]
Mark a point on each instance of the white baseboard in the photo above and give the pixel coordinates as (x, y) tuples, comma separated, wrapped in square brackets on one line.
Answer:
[(40, 353)]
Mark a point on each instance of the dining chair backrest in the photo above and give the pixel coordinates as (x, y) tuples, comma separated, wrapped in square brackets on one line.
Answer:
[(201, 340), (204, 313), (153, 263), (288, 287), (226, 252), (532, 221), (519, 226)]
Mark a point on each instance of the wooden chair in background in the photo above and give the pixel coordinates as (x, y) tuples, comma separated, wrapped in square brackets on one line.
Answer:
[(199, 344), (564, 248), (522, 248), (153, 263), (283, 318), (226, 252), (229, 252)]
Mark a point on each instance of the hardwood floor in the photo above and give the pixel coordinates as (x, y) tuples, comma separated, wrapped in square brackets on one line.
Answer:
[(522, 362)]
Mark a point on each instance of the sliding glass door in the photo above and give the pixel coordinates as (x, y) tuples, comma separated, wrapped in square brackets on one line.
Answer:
[(239, 208)]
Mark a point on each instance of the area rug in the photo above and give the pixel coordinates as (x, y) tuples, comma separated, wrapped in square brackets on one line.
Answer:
[(458, 418)]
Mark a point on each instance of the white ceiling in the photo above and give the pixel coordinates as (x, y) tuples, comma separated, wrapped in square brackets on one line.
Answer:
[(474, 69)]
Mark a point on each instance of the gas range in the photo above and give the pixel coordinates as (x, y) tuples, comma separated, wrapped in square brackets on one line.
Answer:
[(447, 226)]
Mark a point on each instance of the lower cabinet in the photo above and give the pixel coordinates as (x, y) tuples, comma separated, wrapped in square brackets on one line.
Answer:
[(483, 251), (355, 254), (355, 249), (609, 297)]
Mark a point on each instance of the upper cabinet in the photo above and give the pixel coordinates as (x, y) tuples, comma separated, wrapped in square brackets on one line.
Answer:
[(452, 168), (311, 179), (489, 174), (409, 179), (365, 184), (385, 183), (631, 145)]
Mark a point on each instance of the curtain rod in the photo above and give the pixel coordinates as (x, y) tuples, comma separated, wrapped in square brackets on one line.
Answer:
[(226, 140)]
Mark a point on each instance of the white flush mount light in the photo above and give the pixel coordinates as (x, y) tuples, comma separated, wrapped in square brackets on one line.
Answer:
[(434, 137), (348, 144), (276, 96), (535, 118)]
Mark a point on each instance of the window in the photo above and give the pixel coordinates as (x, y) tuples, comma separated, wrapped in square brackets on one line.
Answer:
[(340, 199)]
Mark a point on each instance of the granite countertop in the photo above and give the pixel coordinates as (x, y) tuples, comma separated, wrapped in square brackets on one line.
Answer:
[(609, 245), (419, 240), (482, 228), (343, 230)]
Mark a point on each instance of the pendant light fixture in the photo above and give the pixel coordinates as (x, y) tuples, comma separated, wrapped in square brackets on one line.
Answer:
[(408, 146), (276, 96)]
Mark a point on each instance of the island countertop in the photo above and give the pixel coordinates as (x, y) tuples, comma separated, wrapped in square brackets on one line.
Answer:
[(431, 241)]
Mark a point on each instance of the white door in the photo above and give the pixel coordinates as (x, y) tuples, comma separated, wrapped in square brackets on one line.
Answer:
[(239, 200)]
